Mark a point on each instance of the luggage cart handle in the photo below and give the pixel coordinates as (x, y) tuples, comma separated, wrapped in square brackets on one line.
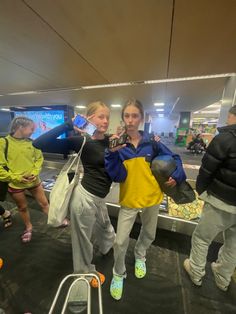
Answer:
[(80, 277)]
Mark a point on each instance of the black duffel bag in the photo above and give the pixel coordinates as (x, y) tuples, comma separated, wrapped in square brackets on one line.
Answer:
[(162, 167)]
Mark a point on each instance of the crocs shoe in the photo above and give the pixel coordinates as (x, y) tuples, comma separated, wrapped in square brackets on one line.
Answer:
[(94, 282), (187, 267), (140, 268), (116, 287)]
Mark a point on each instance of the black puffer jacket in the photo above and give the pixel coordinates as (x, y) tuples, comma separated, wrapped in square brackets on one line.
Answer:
[(217, 174)]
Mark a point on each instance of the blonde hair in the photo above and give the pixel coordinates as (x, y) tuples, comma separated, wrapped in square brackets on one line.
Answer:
[(94, 106), (18, 122)]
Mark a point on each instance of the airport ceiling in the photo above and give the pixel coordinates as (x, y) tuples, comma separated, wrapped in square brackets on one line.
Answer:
[(57, 46)]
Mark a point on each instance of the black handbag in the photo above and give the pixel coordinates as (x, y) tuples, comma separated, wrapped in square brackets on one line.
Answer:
[(162, 167), (4, 185)]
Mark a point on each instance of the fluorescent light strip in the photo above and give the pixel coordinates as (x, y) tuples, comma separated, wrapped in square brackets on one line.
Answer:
[(80, 106), (108, 85), (160, 81), (23, 93), (115, 105), (210, 111), (191, 78)]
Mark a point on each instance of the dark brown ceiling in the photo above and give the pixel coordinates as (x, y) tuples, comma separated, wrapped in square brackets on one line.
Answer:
[(62, 44)]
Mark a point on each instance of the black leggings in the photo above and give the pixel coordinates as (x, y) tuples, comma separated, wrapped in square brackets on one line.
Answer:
[(2, 210)]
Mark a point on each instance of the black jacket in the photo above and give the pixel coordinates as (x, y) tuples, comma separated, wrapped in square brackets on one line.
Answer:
[(217, 174)]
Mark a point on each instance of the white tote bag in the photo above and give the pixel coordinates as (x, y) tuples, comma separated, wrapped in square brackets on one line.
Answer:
[(60, 195)]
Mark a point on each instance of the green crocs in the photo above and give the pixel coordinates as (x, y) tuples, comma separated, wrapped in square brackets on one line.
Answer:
[(140, 268), (116, 287)]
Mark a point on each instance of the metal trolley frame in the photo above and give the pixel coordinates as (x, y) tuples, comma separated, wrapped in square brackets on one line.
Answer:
[(80, 277)]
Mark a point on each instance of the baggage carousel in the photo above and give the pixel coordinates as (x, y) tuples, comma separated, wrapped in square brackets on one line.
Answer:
[(53, 166)]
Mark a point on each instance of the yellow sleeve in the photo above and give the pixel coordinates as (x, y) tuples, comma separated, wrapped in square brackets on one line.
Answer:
[(37, 167), (5, 175), (3, 162)]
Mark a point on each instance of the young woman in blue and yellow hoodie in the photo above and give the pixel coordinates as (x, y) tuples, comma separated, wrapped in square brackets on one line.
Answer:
[(140, 193)]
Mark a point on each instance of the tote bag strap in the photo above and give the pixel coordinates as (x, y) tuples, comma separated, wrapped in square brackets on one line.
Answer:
[(79, 155), (77, 158)]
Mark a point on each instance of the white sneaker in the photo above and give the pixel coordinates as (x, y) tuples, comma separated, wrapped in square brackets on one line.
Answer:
[(217, 280), (187, 267)]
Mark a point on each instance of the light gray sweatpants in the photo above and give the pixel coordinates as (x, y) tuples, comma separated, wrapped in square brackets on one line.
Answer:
[(89, 216), (147, 234), (212, 222)]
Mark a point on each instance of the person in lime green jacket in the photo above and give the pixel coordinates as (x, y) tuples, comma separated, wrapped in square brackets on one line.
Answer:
[(21, 167)]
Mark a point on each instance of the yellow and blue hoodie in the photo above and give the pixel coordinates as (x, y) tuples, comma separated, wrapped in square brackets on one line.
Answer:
[(131, 167), (22, 158)]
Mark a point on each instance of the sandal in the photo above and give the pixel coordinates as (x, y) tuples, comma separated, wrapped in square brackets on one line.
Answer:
[(7, 221), (26, 236)]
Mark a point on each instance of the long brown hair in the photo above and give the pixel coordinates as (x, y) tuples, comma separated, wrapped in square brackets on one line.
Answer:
[(133, 102)]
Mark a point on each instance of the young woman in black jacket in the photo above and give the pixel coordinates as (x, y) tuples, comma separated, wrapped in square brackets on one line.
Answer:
[(88, 211)]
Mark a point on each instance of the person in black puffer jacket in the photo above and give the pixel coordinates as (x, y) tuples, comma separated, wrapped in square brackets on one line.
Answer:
[(216, 185)]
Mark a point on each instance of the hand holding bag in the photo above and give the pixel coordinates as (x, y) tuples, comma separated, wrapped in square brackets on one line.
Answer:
[(62, 190), (162, 167)]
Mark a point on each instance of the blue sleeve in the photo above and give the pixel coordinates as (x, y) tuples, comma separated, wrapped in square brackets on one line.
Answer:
[(179, 174), (114, 166)]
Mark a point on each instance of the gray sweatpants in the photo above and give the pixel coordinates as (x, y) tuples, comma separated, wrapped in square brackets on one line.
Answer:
[(212, 222), (89, 216), (147, 234)]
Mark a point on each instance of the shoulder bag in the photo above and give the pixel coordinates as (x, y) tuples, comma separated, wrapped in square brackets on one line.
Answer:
[(62, 190)]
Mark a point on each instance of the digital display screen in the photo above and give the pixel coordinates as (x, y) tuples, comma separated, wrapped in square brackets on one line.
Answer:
[(44, 120)]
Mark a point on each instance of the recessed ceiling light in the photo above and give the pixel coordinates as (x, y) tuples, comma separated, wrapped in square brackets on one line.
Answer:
[(80, 106), (161, 109), (159, 104), (115, 105)]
